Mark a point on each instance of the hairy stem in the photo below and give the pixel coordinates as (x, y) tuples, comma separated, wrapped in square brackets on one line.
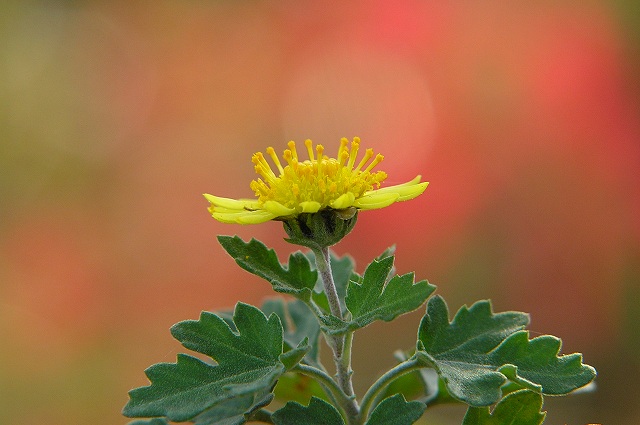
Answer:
[(374, 391), (341, 344), (330, 386)]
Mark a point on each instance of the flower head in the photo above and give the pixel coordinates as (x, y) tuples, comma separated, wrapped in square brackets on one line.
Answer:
[(312, 185)]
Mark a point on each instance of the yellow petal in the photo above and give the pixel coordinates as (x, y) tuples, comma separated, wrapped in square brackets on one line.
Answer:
[(405, 191), (228, 203), (243, 217), (255, 217), (410, 192), (375, 200), (344, 201), (278, 209), (310, 206)]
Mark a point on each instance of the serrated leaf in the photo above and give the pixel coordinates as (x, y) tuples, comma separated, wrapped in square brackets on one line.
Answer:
[(318, 412), (297, 278), (375, 299), (518, 408), (396, 411), (298, 322), (248, 362), (479, 350)]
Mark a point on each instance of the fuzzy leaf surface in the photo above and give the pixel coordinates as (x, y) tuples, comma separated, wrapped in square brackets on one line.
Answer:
[(297, 278), (234, 411), (248, 362), (396, 411), (318, 412), (517, 408), (479, 350), (374, 299)]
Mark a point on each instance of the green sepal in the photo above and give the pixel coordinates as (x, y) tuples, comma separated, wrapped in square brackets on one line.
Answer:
[(321, 229), (479, 350), (381, 297), (317, 412), (248, 365), (396, 410), (297, 278), (518, 408)]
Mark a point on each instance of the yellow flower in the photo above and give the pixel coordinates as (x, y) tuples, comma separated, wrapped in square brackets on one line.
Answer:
[(312, 185)]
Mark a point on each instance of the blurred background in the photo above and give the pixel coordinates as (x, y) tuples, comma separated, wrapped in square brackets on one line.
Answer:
[(116, 116)]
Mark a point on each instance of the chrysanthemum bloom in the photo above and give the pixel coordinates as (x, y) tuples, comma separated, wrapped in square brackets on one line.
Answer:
[(333, 186)]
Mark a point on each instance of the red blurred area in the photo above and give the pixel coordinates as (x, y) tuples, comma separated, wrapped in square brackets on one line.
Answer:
[(116, 117)]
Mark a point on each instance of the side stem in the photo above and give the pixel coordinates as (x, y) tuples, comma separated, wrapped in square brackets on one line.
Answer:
[(372, 393), (341, 344)]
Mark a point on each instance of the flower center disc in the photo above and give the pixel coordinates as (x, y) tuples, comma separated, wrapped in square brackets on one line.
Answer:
[(329, 182)]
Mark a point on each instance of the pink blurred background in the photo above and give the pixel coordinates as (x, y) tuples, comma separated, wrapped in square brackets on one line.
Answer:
[(115, 117)]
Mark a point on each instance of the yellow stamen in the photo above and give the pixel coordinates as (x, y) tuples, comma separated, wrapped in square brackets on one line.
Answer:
[(272, 153), (343, 147), (375, 162), (321, 161), (367, 156), (292, 147), (309, 144), (355, 145)]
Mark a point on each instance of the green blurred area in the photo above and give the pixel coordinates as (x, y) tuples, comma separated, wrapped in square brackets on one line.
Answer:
[(116, 116)]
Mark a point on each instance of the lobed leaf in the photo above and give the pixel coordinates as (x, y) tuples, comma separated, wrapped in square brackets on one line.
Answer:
[(297, 278), (374, 299), (249, 363), (317, 412), (479, 350), (396, 410), (517, 408)]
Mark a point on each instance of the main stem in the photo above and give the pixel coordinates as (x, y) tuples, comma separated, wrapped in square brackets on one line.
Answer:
[(341, 344)]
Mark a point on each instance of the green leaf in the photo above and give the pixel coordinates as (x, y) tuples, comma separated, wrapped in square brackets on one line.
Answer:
[(154, 421), (319, 412), (297, 278), (374, 299), (518, 408), (234, 411), (248, 362), (298, 322), (396, 411), (479, 350)]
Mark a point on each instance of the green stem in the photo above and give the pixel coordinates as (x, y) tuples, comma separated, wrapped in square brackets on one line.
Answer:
[(323, 263), (341, 344), (325, 380), (374, 391)]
